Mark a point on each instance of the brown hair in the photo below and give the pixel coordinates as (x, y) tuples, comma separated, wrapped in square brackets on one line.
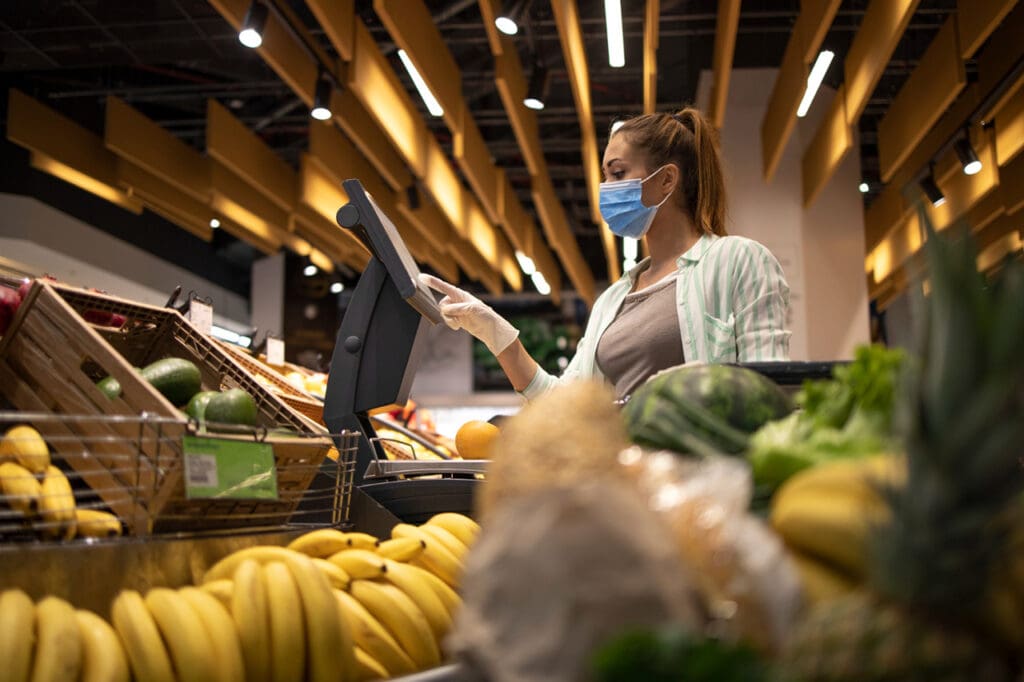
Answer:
[(689, 140)]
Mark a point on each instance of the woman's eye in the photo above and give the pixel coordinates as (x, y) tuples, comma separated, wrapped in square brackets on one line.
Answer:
[(617, 175)]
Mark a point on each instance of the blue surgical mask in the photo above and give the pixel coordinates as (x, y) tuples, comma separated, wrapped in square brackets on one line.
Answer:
[(622, 208)]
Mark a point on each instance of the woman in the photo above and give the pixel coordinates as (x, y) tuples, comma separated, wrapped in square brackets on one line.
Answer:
[(700, 296)]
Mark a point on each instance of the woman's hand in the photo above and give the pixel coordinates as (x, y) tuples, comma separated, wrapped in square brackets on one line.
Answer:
[(463, 310)]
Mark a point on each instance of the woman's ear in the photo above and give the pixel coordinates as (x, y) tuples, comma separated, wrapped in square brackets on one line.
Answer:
[(671, 178)]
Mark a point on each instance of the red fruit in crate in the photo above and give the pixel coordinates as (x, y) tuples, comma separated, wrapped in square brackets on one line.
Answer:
[(100, 317), (26, 284), (117, 320), (9, 302)]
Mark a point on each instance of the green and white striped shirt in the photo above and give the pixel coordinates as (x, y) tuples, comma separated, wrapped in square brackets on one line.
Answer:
[(732, 299)]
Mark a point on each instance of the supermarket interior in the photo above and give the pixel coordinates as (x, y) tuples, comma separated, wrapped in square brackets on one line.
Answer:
[(512, 340)]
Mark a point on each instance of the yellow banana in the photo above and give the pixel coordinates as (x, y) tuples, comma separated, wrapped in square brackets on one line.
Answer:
[(447, 540), (191, 650), (320, 543), (820, 582), (459, 525), (103, 657), (409, 580), (135, 625), (358, 540), (435, 558), (24, 445), (370, 635), (401, 549), (401, 617), (367, 667), (359, 563), (449, 597), (261, 554), (329, 654), (335, 575), (93, 523), (57, 504), (17, 635), (220, 589), (287, 624), (58, 654), (19, 488), (220, 629), (249, 609), (856, 477)]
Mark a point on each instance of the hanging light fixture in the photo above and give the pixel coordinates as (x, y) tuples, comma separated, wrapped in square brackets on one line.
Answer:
[(931, 189), (814, 79), (309, 268), (321, 110), (507, 20), (968, 157), (253, 24), (537, 91)]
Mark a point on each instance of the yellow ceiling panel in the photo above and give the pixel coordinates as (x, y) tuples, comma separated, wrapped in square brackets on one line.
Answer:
[(83, 181), (338, 19), (728, 21), (193, 215), (477, 165), (880, 30), (829, 145), (1009, 126), (652, 15), (976, 20)]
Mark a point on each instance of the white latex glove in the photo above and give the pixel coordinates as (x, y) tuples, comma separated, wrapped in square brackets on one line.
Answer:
[(463, 310)]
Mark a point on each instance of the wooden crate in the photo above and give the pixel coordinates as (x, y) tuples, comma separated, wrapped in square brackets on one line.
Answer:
[(300, 401), (50, 360)]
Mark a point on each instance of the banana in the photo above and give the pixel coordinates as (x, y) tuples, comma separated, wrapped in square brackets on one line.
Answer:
[(820, 582), (447, 540), (261, 554), (93, 523), (359, 563), (19, 488), (221, 589), (368, 668), (24, 445), (191, 650), (435, 558), (401, 549), (329, 654), (287, 624), (220, 629), (856, 477), (459, 525), (449, 597), (249, 609), (135, 625), (320, 543), (103, 657), (409, 580), (17, 628), (58, 655), (57, 504), (336, 575), (400, 615), (361, 540), (369, 635)]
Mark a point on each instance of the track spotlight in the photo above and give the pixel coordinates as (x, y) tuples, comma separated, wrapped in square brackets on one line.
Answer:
[(309, 269), (214, 223), (538, 88), (321, 110), (255, 20), (863, 187), (507, 20), (968, 157), (337, 287), (931, 190)]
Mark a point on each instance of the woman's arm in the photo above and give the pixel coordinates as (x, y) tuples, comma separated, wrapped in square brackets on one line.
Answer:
[(761, 305), (519, 367)]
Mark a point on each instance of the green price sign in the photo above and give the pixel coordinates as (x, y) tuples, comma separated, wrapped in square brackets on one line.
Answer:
[(222, 468)]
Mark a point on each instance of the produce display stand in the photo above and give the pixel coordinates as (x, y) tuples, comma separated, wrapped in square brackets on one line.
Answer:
[(300, 401)]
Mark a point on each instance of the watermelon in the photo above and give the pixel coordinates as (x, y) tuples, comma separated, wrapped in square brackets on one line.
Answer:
[(703, 409)]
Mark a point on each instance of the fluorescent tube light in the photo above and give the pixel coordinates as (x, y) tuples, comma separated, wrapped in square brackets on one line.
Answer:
[(421, 86), (814, 79), (525, 263), (541, 284), (629, 248), (613, 22)]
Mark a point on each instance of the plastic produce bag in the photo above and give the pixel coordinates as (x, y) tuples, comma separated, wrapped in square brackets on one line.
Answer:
[(750, 587), (560, 571)]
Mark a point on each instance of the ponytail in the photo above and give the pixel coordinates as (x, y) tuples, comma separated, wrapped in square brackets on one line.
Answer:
[(688, 140)]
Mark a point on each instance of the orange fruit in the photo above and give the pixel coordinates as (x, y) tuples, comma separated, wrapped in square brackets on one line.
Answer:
[(475, 439)]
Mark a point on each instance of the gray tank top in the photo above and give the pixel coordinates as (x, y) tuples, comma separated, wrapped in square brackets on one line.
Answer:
[(642, 339)]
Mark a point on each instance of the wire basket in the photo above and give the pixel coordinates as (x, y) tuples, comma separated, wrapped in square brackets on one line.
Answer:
[(129, 446)]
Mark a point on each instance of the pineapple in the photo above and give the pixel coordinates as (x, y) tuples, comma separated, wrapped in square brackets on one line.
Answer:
[(933, 561)]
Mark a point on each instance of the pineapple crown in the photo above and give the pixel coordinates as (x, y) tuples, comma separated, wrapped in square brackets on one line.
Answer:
[(962, 420)]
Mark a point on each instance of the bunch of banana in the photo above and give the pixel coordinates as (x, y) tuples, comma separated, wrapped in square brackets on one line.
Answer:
[(41, 493), (50, 640)]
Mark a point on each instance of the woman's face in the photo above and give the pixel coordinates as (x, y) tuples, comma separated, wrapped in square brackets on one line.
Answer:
[(623, 161)]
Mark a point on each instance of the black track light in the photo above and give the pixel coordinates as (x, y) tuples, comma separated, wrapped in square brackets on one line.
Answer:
[(537, 91), (931, 190), (968, 157), (412, 197), (321, 110), (255, 20)]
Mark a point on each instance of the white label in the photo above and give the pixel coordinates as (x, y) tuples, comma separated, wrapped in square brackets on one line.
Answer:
[(201, 471), (275, 351), (201, 315)]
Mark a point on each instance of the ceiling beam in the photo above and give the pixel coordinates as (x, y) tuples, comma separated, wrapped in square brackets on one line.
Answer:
[(976, 19), (721, 63), (652, 12)]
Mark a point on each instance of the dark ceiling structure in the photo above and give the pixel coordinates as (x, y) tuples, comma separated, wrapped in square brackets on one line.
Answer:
[(167, 57)]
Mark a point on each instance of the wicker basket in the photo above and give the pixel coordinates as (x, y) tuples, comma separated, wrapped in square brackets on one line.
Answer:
[(50, 360), (300, 401)]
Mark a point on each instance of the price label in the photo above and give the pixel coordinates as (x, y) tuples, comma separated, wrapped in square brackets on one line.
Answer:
[(275, 351), (223, 468), (201, 315)]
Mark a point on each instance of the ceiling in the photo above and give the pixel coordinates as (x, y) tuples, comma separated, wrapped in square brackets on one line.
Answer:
[(167, 57)]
